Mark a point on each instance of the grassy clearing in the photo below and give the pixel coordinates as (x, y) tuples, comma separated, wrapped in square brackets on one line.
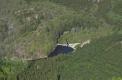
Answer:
[(85, 34)]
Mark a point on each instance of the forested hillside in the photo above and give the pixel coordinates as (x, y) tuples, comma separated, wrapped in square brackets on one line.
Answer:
[(100, 60), (31, 29)]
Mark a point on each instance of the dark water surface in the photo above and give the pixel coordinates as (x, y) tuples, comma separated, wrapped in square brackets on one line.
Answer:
[(60, 50)]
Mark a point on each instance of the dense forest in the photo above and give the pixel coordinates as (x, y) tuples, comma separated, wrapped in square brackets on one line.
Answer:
[(31, 29)]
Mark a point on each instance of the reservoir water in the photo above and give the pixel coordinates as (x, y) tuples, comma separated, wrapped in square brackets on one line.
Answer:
[(60, 50)]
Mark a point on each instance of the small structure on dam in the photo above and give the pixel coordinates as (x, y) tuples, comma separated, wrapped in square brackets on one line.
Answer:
[(67, 48)]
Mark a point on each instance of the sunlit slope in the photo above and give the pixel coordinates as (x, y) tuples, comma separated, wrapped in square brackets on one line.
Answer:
[(25, 32)]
